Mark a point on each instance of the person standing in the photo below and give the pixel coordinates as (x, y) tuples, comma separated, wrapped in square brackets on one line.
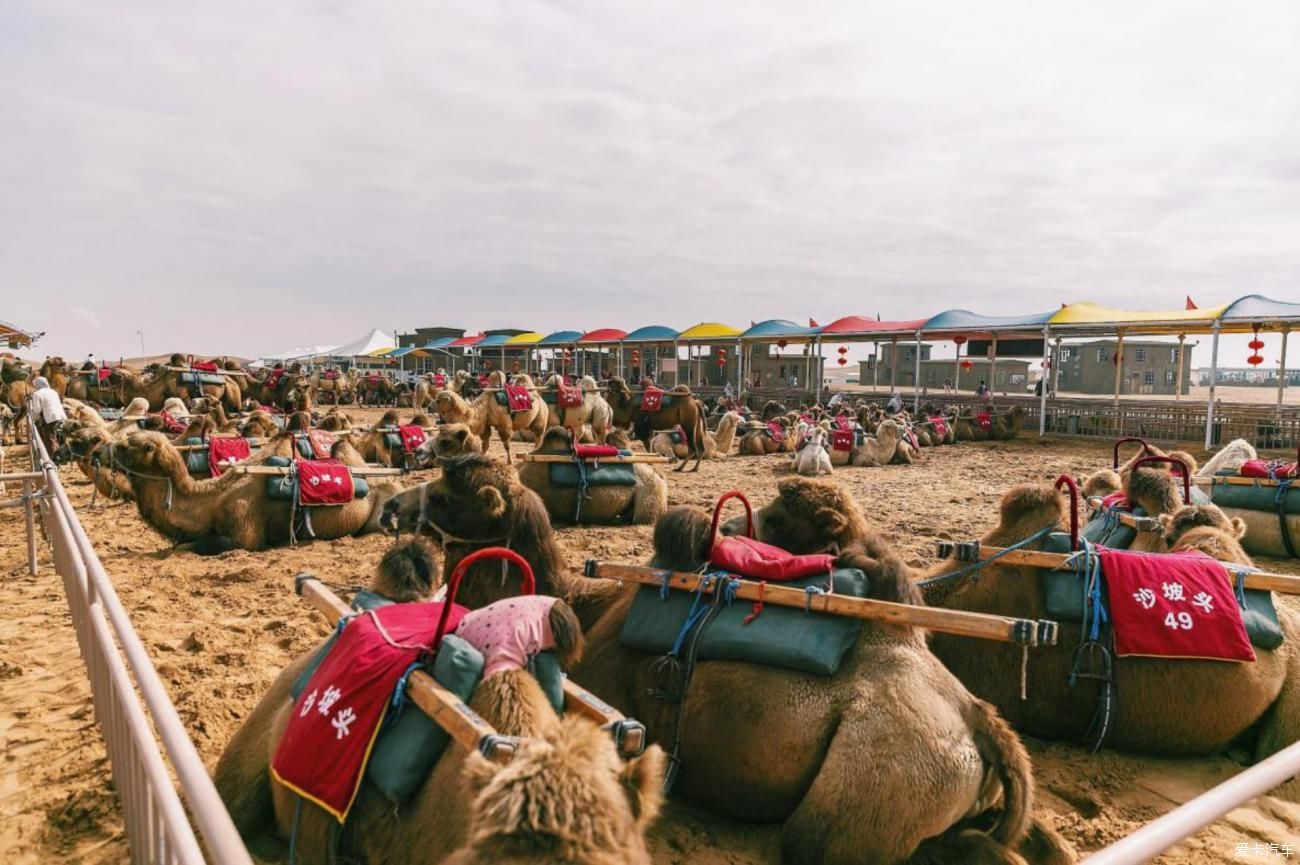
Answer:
[(895, 402), (47, 411)]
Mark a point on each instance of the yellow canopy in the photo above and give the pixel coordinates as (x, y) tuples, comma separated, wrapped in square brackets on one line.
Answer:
[(380, 352), (530, 338), (708, 330), (1083, 314)]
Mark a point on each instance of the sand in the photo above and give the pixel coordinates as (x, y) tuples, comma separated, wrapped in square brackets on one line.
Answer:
[(219, 629)]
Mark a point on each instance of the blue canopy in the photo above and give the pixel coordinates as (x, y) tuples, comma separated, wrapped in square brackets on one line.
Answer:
[(1255, 308), (971, 324), (776, 328), (494, 341), (562, 337), (652, 333), (440, 342)]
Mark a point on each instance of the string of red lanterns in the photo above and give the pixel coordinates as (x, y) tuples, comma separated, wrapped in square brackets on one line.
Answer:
[(1256, 344)]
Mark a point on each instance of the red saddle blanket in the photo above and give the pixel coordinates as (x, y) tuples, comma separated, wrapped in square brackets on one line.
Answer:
[(568, 397), (170, 423), (412, 437), (518, 397), (324, 482), (273, 379), (592, 452), (939, 425), (330, 374), (984, 420), (909, 436), (1268, 469), (843, 422), (757, 560), (223, 452), (322, 443), (103, 373), (482, 379), (842, 439), (323, 753), (1173, 605), (776, 429), (372, 378), (1115, 500), (440, 381), (204, 365), (652, 399)]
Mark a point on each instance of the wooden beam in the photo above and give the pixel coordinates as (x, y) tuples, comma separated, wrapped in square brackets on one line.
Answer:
[(357, 471), (446, 709), (1235, 481), (1255, 579), (1025, 632), (652, 459), (234, 372), (1142, 524)]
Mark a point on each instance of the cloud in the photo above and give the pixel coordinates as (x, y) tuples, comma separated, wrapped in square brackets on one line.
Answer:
[(241, 177)]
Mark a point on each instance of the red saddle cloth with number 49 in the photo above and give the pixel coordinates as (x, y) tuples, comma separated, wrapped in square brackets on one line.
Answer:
[(1173, 605), (652, 399), (324, 482), (327, 743), (412, 437), (757, 560), (519, 397), (984, 420)]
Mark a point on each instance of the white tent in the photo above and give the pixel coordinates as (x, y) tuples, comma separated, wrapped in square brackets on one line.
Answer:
[(371, 342)]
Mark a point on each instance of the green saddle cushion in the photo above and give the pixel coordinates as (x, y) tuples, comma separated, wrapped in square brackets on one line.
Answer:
[(780, 637), (566, 475), (196, 461), (545, 668), (1253, 498), (1064, 590), (394, 441), (284, 488)]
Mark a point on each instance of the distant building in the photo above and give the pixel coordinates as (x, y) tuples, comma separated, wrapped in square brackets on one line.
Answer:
[(1012, 373), (1149, 367), (775, 370), (1247, 376)]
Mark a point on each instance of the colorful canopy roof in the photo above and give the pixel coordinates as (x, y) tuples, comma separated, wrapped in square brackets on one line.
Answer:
[(440, 342), (965, 322), (407, 349), (857, 325), (778, 328), (1092, 317), (707, 330), (651, 333), (604, 335), (466, 341), (561, 337), (530, 338), (14, 336), (1243, 313), (495, 341)]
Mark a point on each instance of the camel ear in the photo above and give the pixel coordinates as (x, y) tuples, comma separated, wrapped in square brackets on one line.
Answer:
[(478, 772), (1238, 527), (1166, 521), (643, 781), (493, 502), (834, 521)]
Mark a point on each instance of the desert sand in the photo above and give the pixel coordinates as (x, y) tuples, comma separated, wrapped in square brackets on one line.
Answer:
[(219, 629)]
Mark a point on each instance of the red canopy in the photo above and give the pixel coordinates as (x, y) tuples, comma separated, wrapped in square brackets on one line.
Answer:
[(466, 341), (604, 334), (859, 324)]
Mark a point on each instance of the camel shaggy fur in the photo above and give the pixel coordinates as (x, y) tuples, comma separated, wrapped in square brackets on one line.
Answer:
[(717, 445), (640, 504), (812, 456), (594, 411), (485, 414)]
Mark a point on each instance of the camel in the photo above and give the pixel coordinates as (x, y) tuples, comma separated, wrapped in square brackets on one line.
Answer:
[(234, 510), (485, 414), (717, 444), (639, 504), (877, 450), (86, 445), (1001, 426), (77, 410), (451, 440), (680, 409), (333, 386), (891, 720), (1263, 529), (594, 411), (14, 395), (55, 371), (759, 438), (273, 388), (128, 386), (1163, 707), (812, 456)]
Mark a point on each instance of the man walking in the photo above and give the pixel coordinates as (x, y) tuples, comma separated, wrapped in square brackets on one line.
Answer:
[(47, 410)]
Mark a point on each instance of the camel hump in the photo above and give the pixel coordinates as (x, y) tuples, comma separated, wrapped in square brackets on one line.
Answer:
[(681, 390)]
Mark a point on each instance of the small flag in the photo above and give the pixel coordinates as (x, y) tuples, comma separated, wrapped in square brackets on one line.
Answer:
[(1190, 305), (812, 322)]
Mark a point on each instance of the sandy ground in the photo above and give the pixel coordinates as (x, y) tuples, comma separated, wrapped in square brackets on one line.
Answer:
[(219, 629)]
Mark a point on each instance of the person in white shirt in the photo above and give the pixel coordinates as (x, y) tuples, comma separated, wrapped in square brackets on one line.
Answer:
[(47, 410)]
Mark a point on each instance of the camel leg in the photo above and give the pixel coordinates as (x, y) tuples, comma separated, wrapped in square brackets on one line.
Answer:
[(504, 432), (1281, 727)]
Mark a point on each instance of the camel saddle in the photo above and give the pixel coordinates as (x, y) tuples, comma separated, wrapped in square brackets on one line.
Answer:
[(336, 718), (984, 420), (653, 399), (677, 435), (328, 375), (410, 743), (1272, 492), (224, 451), (567, 396), (284, 488), (412, 437), (842, 439), (939, 424), (662, 622), (515, 397)]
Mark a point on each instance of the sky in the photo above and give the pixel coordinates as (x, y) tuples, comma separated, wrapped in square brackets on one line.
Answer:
[(245, 177)]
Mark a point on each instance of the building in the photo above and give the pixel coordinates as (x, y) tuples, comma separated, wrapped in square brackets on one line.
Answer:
[(776, 368), (1148, 367)]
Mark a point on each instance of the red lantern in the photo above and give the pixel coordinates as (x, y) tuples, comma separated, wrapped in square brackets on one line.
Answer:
[(843, 361), (780, 343), (1256, 344), (959, 340), (1254, 360), (636, 356), (966, 364), (842, 350), (722, 352), (722, 360)]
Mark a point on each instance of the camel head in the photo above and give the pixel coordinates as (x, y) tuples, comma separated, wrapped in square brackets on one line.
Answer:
[(1101, 483), (478, 502), (450, 406), (566, 797), (1154, 489), (1026, 508), (148, 454), (808, 515), (408, 572), (1215, 541), (1189, 517), (451, 440), (619, 394)]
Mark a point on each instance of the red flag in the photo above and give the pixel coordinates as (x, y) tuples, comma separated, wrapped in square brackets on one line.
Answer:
[(1191, 305), (812, 322)]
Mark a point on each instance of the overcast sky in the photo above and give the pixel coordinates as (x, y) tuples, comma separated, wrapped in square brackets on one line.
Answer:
[(244, 177)]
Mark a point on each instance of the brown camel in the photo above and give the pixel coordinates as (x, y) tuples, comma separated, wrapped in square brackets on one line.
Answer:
[(485, 414), (1001, 426), (760, 439), (891, 720), (639, 504), (234, 510), (594, 412), (86, 444), (680, 409), (272, 388), (717, 444), (1163, 706), (451, 440), (55, 371), (877, 450)]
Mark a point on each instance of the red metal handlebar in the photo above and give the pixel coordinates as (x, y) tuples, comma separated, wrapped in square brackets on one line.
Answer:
[(1066, 480), (529, 586)]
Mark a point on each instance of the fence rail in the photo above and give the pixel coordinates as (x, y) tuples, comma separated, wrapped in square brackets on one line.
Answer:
[(157, 829)]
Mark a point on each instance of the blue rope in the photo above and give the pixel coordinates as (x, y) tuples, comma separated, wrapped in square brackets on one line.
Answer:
[(399, 692), (697, 612), (976, 566), (583, 484), (1240, 587), (666, 578), (809, 592)]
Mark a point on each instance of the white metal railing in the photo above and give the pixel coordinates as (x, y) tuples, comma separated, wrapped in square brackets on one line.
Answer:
[(157, 828)]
